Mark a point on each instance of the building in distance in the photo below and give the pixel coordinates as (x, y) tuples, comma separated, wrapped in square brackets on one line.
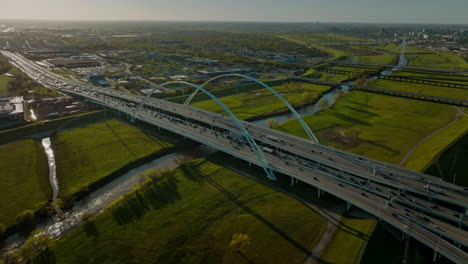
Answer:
[(11, 108), (73, 63), (98, 78)]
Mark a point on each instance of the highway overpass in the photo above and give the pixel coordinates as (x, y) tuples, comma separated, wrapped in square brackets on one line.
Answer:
[(424, 207)]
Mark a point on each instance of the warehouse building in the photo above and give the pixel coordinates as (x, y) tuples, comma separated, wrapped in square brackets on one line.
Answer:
[(98, 78), (73, 63)]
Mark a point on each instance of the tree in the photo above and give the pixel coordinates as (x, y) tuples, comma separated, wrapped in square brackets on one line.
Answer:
[(86, 217), (25, 219), (309, 98), (272, 123), (36, 244), (12, 257), (89, 225), (238, 242), (322, 104)]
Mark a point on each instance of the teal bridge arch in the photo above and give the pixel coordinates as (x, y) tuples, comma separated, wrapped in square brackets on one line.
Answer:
[(255, 148), (307, 129)]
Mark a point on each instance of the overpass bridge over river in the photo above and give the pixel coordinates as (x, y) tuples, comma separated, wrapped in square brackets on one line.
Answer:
[(421, 206)]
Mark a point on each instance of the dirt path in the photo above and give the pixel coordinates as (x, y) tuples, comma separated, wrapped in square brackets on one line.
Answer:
[(455, 119), (333, 224)]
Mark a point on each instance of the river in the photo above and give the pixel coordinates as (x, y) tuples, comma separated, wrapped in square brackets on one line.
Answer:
[(330, 97), (99, 200)]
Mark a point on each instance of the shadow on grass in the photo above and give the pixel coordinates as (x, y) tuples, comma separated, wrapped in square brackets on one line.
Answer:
[(360, 104), (375, 143), (90, 229), (153, 197), (361, 111), (45, 257), (300, 190), (350, 119), (195, 173), (121, 141)]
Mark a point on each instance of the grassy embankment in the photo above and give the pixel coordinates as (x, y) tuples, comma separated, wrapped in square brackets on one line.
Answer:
[(377, 126), (22, 84), (26, 131), (452, 164), (5, 80), (448, 77), (221, 92), (438, 59), (24, 179), (192, 217), (315, 73), (424, 153), (335, 54), (261, 101), (426, 89), (384, 128), (85, 155), (360, 69), (349, 241)]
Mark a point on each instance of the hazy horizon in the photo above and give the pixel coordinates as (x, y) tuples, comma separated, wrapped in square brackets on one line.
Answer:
[(293, 11)]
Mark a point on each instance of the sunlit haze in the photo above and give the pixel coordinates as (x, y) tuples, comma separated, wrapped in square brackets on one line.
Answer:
[(398, 11)]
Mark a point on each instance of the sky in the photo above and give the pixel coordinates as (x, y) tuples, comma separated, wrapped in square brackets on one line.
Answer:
[(371, 11)]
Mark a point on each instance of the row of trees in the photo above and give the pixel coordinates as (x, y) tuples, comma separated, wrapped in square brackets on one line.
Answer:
[(22, 85), (5, 66)]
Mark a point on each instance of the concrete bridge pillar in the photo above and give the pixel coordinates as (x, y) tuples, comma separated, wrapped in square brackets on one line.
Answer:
[(293, 181), (319, 193), (348, 206)]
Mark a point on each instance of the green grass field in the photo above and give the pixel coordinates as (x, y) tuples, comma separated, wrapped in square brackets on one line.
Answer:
[(262, 101), (24, 179), (439, 59), (317, 74), (386, 58), (5, 80), (24, 131), (426, 89), (315, 37), (424, 153), (455, 78), (349, 241), (335, 54), (192, 217), (85, 155), (377, 126), (354, 69)]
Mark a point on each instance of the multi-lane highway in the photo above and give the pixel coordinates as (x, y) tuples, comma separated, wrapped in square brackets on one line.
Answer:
[(424, 207)]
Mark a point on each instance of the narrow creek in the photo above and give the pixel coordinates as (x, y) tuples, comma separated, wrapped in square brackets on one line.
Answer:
[(33, 115), (100, 199), (52, 168)]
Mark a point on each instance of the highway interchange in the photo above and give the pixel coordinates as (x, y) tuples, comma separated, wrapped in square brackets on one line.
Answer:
[(424, 207)]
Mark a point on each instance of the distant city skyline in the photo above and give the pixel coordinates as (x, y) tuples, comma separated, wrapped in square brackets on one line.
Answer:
[(366, 11)]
